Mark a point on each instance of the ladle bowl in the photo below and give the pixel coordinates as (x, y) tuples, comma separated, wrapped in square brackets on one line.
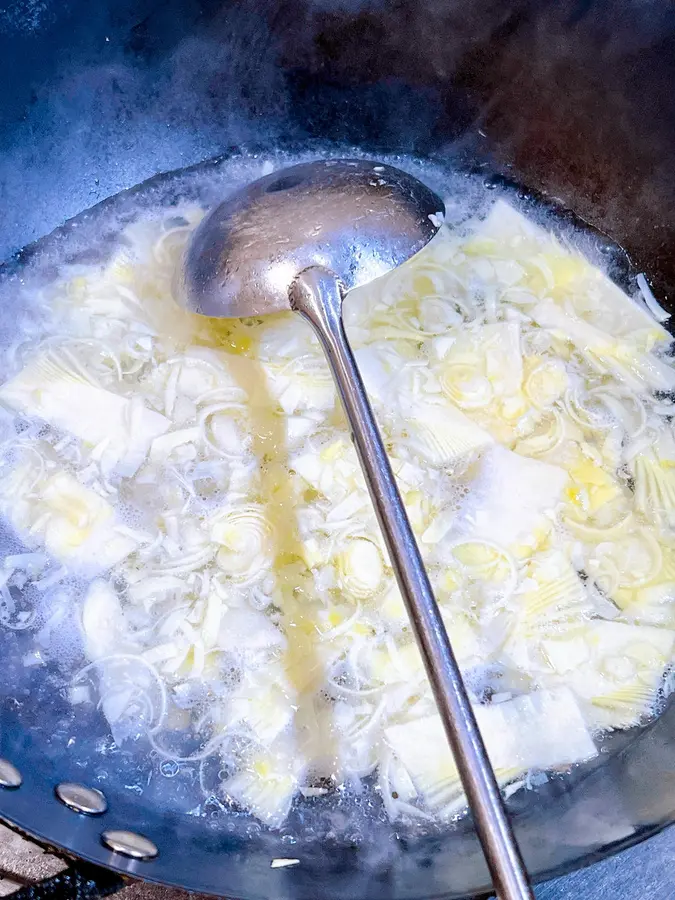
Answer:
[(354, 218)]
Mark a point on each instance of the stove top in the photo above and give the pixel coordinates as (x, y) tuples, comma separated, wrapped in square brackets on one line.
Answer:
[(24, 863)]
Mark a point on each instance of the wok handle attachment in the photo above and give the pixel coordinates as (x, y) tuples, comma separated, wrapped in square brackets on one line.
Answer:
[(316, 294)]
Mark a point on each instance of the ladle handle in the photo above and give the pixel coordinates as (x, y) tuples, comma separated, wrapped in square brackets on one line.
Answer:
[(316, 294)]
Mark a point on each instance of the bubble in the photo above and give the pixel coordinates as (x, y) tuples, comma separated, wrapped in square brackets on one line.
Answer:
[(169, 768)]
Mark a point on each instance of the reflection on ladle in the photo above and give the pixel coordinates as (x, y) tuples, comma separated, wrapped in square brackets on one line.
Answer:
[(300, 239)]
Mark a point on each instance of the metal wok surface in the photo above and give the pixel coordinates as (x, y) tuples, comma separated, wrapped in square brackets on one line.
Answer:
[(574, 99)]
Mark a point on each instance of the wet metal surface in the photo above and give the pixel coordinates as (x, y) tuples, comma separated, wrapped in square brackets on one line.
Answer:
[(647, 870)]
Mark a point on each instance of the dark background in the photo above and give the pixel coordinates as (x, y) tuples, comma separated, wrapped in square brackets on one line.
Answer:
[(573, 97)]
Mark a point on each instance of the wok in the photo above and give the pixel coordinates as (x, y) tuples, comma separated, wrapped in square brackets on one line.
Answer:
[(572, 99)]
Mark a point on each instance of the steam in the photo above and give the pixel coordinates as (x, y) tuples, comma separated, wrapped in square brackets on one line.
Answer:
[(114, 117), (108, 95), (569, 97)]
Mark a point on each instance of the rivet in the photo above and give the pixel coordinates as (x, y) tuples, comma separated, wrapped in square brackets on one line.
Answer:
[(10, 777), (128, 843), (81, 799)]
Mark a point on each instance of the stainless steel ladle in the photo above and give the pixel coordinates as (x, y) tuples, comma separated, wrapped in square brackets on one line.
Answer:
[(299, 239)]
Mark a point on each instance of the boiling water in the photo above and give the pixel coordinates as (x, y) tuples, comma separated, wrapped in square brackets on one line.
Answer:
[(43, 639)]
